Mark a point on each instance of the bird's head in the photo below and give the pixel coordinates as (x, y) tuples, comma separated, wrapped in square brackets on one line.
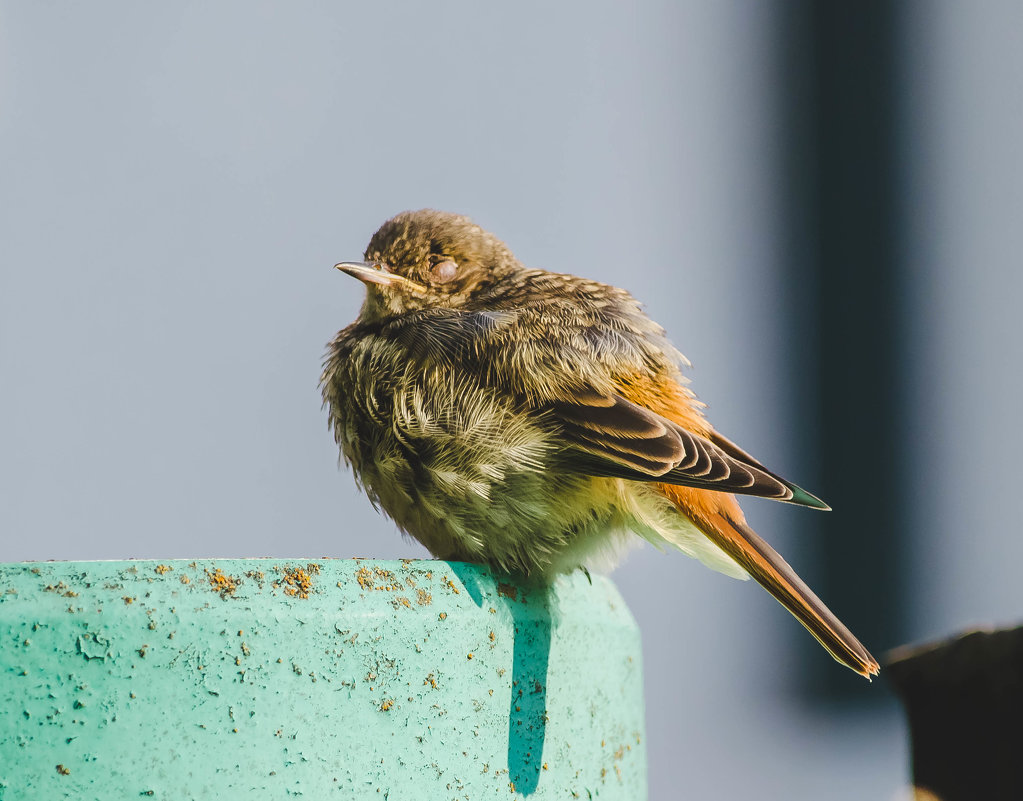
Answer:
[(428, 259)]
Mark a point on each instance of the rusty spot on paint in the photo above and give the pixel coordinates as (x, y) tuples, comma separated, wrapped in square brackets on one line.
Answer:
[(221, 583), (296, 582), (378, 579), (386, 705), (508, 591), (161, 569), (423, 598), (63, 771)]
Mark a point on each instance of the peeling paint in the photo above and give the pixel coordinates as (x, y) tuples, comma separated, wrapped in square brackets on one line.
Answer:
[(318, 677)]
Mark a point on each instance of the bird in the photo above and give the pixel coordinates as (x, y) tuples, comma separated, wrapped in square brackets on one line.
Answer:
[(537, 422)]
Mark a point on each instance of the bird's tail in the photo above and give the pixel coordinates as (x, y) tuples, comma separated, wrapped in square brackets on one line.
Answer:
[(775, 575)]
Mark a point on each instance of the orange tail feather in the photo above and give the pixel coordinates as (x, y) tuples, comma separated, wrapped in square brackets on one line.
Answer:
[(719, 517)]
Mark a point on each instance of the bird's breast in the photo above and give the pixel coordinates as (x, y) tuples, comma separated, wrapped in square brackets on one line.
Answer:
[(463, 467)]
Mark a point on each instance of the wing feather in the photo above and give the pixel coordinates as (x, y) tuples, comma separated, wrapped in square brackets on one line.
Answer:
[(636, 443)]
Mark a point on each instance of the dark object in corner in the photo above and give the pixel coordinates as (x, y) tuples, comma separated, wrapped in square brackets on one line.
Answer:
[(964, 701)]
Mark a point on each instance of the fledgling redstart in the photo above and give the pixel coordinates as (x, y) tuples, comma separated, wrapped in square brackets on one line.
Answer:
[(529, 420)]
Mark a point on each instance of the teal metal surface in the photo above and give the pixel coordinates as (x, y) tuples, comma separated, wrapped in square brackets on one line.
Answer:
[(316, 679)]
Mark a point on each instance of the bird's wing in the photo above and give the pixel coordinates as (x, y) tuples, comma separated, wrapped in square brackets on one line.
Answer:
[(615, 437), (584, 372)]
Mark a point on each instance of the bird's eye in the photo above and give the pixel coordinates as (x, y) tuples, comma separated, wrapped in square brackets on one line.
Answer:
[(444, 271)]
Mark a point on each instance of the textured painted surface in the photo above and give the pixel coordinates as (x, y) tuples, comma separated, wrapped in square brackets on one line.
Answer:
[(329, 678)]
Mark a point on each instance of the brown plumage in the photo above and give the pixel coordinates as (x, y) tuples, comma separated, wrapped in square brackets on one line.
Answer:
[(528, 420)]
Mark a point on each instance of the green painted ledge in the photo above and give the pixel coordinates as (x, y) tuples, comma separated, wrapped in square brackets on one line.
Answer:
[(266, 678)]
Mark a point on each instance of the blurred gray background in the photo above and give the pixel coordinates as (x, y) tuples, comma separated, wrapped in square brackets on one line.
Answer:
[(177, 179)]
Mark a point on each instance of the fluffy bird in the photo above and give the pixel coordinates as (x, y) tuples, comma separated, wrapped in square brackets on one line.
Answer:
[(530, 420)]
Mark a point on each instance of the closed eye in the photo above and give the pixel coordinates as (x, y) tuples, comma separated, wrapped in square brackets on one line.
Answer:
[(443, 271)]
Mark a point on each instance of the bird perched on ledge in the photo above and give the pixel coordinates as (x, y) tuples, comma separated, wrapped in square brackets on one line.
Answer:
[(530, 420)]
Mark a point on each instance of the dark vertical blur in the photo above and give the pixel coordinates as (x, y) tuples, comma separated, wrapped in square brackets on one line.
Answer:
[(844, 265)]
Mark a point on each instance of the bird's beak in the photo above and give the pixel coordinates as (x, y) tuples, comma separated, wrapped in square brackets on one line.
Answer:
[(370, 273)]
